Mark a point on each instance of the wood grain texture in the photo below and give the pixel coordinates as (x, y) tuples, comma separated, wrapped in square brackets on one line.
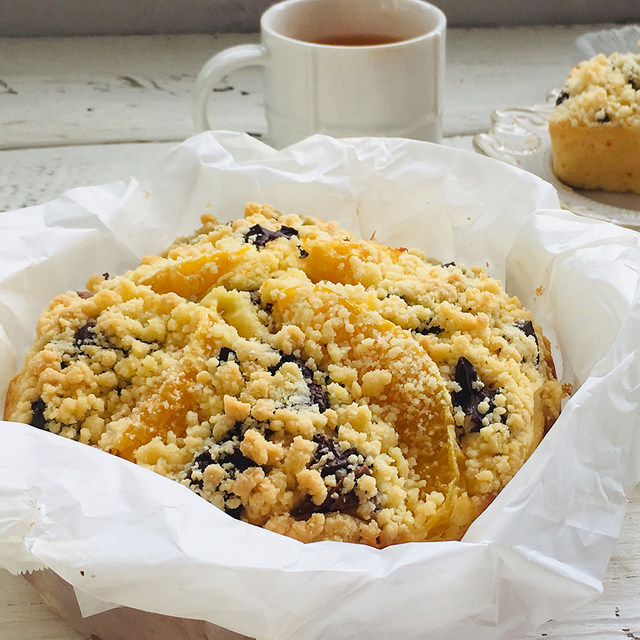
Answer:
[(86, 90), (34, 176)]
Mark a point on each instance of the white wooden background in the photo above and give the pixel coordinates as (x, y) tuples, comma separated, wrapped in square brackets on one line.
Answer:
[(91, 110)]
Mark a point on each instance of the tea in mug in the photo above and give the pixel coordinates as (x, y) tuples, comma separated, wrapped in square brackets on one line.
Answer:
[(357, 39)]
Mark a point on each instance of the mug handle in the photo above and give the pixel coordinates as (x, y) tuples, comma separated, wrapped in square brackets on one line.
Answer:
[(244, 55)]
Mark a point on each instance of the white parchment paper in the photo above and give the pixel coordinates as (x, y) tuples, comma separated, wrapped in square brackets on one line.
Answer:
[(123, 536)]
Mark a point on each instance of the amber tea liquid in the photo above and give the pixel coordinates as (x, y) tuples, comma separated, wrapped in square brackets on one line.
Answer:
[(357, 39)]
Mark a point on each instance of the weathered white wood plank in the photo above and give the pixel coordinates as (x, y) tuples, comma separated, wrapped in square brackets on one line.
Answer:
[(25, 616), (84, 90), (126, 89), (35, 176)]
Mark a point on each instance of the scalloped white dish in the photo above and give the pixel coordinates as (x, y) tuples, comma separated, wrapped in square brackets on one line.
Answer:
[(519, 136)]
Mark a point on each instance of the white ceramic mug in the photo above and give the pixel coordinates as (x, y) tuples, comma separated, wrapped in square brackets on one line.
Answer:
[(342, 68)]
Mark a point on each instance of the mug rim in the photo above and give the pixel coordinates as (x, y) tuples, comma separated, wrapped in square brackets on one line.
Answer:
[(268, 16)]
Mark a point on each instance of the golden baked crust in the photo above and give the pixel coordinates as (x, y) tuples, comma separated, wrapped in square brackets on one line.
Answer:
[(300, 379), (595, 126)]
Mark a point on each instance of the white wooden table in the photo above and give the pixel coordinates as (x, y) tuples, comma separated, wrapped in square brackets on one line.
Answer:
[(91, 110)]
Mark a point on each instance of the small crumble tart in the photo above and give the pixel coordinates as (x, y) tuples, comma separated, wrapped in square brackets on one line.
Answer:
[(300, 379), (595, 126)]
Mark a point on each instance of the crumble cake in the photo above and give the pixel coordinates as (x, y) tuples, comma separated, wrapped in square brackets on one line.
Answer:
[(595, 125), (300, 379)]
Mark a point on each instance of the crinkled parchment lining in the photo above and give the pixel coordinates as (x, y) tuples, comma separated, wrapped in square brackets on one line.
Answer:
[(123, 536)]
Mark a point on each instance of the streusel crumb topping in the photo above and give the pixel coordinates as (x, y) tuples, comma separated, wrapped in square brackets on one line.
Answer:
[(300, 379)]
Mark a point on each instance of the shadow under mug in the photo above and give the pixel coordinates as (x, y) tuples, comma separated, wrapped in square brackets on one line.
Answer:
[(342, 68)]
